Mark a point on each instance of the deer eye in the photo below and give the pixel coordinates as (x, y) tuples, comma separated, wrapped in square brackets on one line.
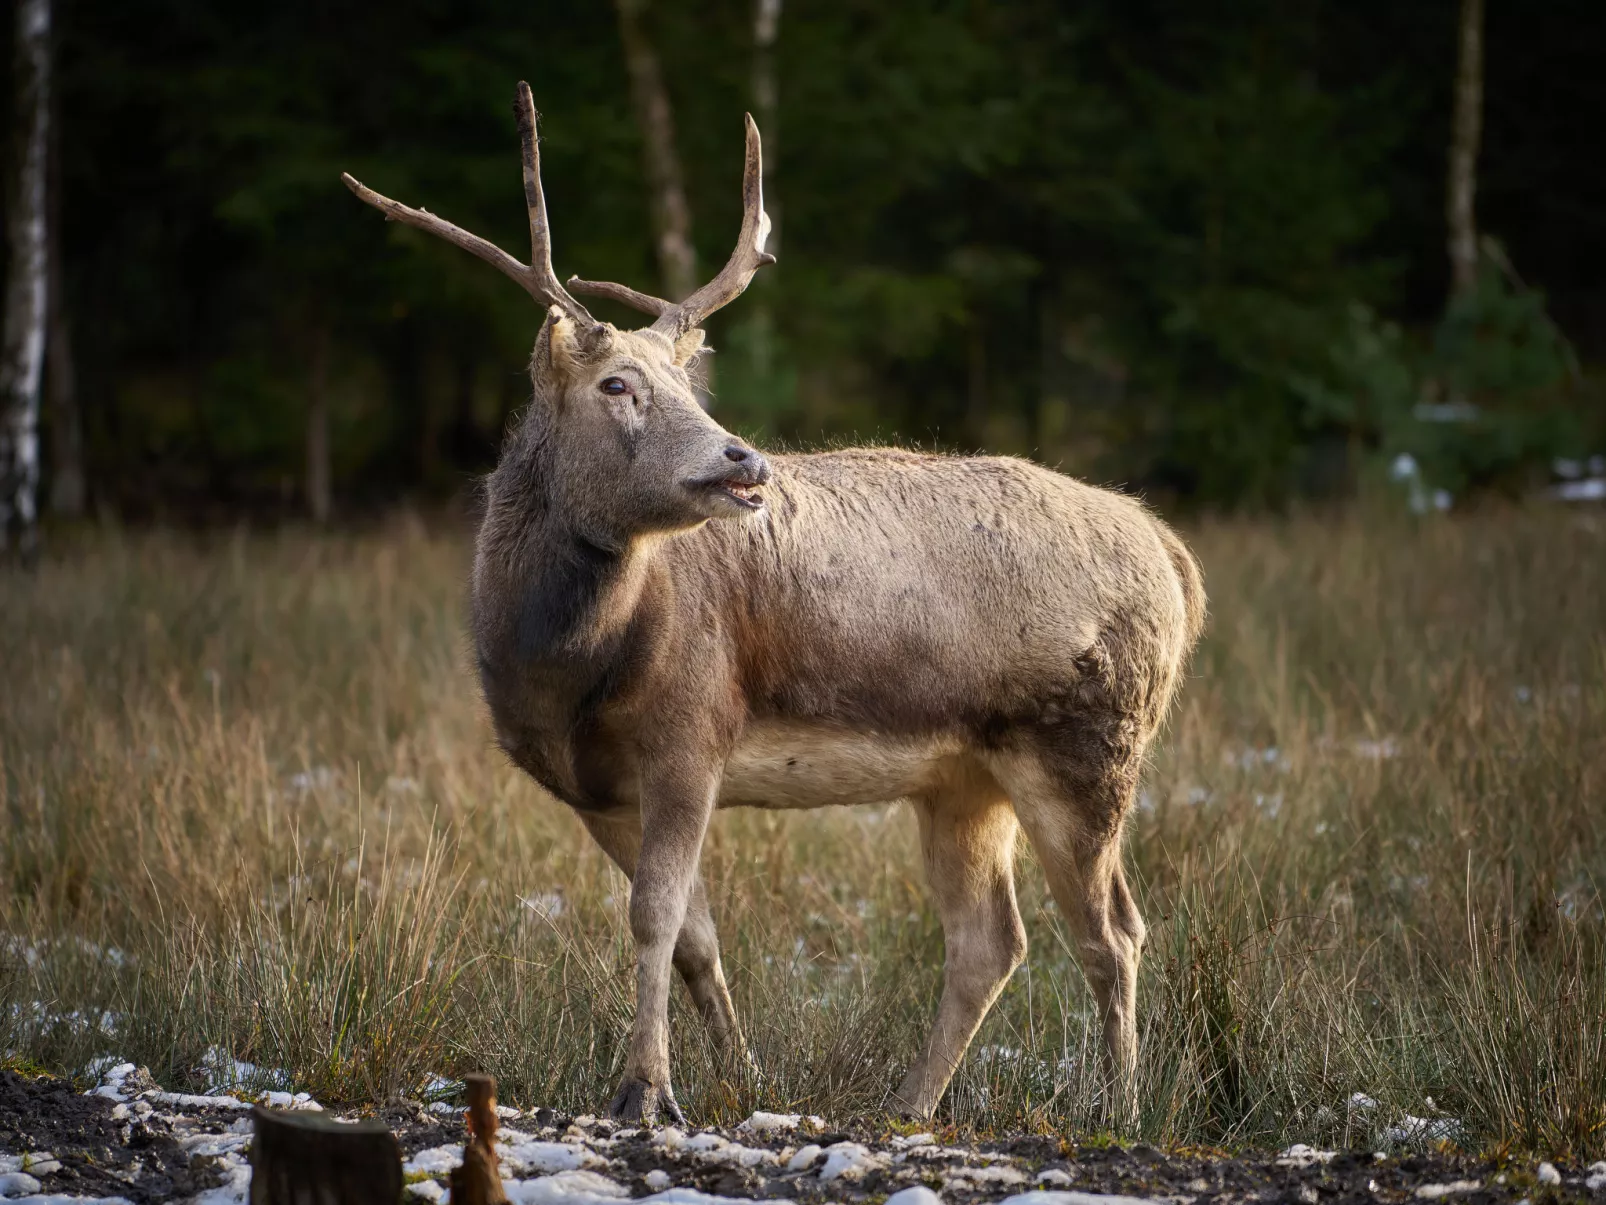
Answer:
[(615, 387)]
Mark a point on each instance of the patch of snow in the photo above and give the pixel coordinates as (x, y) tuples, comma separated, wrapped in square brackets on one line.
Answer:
[(670, 1138), (807, 1157), (427, 1190), (437, 1086), (111, 1081), (849, 1161), (1548, 1174), (1435, 1192), (1074, 1198), (546, 1158), (1411, 1129), (1300, 1155), (434, 1161), (237, 1188), (16, 1184), (299, 1102), (199, 1145), (1055, 1177), (903, 1144), (222, 1071), (918, 1195), (971, 1177), (565, 1188), (657, 1179), (1595, 1179), (763, 1125), (190, 1100)]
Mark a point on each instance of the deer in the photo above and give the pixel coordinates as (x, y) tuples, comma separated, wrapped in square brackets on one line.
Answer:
[(667, 622)]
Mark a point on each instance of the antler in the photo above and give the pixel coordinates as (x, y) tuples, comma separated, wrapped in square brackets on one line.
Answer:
[(674, 319), (537, 277)]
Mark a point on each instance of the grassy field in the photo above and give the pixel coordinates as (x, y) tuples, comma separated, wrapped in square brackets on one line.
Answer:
[(250, 801)]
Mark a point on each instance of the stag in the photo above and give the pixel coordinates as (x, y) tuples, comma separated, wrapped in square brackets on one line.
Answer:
[(668, 622)]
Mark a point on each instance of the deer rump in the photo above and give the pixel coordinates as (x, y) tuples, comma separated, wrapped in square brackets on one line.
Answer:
[(667, 622)]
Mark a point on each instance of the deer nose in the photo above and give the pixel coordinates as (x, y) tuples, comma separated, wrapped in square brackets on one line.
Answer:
[(752, 460)]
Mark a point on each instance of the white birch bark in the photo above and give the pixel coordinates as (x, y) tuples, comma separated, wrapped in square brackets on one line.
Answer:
[(22, 347)]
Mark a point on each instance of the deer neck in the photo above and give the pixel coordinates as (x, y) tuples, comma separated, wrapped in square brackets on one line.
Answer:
[(546, 589)]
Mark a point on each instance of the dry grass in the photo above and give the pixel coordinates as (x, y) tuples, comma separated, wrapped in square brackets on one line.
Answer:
[(1371, 852)]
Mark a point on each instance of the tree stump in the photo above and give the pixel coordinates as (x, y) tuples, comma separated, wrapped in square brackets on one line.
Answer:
[(304, 1158)]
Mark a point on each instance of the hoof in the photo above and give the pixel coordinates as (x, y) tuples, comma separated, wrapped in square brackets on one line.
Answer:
[(899, 1109), (639, 1101)]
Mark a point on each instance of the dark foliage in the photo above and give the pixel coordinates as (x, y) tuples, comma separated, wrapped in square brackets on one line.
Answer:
[(1197, 249)]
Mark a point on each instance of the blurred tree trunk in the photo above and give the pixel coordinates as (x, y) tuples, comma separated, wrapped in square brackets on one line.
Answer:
[(976, 383), (319, 475), (68, 492), (671, 217), (1466, 132), (27, 284), (766, 105)]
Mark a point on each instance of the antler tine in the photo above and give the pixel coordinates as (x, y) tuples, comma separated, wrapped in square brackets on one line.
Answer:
[(624, 294), (535, 277), (535, 199), (748, 257)]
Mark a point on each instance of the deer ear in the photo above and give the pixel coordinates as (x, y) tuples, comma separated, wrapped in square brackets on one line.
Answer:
[(687, 347), (564, 346)]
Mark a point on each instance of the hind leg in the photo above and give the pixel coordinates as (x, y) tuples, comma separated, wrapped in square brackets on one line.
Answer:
[(1075, 822), (967, 835)]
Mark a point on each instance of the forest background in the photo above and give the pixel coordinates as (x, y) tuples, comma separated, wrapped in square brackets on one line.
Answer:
[(1197, 250)]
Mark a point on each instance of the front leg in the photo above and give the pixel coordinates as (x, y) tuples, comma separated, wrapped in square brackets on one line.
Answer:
[(697, 947), (676, 803)]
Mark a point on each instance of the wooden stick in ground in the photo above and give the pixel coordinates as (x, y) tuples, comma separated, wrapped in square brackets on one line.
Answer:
[(477, 1181)]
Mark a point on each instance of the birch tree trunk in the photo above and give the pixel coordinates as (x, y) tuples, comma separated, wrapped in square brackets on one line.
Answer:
[(22, 346), (671, 216), (1465, 135)]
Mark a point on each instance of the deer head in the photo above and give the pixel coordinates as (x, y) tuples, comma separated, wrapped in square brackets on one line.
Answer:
[(628, 450)]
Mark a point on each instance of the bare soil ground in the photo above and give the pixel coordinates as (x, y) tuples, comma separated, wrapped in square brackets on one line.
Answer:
[(77, 1145)]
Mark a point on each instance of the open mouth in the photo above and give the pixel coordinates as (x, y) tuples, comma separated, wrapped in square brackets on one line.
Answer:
[(747, 495), (743, 495)]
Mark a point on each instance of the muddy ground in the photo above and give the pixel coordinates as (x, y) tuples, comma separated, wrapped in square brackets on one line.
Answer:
[(135, 1142)]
